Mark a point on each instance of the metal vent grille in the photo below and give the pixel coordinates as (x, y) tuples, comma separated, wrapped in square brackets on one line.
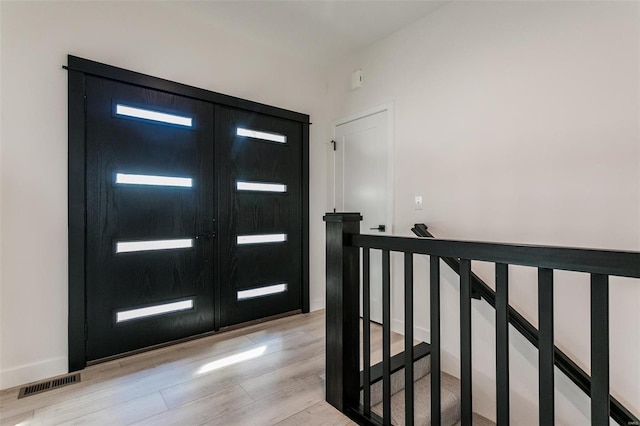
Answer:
[(49, 385)]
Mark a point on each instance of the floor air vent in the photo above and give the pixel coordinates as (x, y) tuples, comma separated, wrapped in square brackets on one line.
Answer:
[(49, 385)]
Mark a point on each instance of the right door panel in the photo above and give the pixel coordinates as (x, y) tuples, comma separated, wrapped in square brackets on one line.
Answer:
[(259, 214)]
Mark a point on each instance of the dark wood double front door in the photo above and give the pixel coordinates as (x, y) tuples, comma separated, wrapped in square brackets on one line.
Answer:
[(194, 216)]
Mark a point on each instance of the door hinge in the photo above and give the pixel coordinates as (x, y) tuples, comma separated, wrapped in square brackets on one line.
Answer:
[(334, 145), (85, 104)]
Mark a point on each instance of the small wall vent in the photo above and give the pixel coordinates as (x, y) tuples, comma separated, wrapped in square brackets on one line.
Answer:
[(49, 385)]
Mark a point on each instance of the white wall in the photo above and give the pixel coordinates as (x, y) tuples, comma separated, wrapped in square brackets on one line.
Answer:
[(155, 38), (517, 122)]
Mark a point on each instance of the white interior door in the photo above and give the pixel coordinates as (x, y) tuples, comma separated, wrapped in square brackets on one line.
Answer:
[(362, 184)]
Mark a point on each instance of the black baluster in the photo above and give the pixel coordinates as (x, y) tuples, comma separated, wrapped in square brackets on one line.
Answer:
[(366, 330), (546, 347), (465, 342), (386, 339), (599, 349), (502, 343), (408, 338), (435, 338)]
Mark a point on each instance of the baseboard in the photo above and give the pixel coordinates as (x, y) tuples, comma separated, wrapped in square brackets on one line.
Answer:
[(397, 326), (422, 334), (419, 333), (33, 372), (316, 304)]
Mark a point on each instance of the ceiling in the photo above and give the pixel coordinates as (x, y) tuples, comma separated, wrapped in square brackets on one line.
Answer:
[(318, 31)]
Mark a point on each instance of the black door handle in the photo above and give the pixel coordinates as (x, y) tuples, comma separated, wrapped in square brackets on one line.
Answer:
[(205, 236), (380, 228)]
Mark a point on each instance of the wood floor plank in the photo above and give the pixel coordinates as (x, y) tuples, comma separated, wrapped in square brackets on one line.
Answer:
[(202, 410), (284, 328), (281, 404), (201, 385), (291, 375), (20, 419), (320, 414), (121, 414)]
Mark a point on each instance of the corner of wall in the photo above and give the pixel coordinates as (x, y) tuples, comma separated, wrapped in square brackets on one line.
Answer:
[(419, 333), (316, 304)]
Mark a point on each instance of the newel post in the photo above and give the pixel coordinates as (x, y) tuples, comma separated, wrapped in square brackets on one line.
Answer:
[(342, 311)]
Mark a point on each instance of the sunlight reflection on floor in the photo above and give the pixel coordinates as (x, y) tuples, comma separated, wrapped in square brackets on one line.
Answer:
[(232, 359)]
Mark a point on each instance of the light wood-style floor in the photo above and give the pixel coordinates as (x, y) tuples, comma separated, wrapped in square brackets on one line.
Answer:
[(266, 374)]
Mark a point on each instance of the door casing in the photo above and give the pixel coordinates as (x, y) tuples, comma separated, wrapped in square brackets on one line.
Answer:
[(78, 69)]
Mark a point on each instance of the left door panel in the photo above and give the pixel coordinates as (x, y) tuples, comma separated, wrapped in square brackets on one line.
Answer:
[(150, 224)]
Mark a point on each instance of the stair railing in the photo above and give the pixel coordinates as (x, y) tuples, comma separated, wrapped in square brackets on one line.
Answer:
[(565, 364), (343, 245)]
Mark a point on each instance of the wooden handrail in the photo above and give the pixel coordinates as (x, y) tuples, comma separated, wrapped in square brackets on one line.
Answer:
[(608, 262)]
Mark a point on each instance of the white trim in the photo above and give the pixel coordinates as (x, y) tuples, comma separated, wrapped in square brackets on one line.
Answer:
[(422, 334), (36, 371), (388, 106), (317, 304), (397, 326), (419, 333)]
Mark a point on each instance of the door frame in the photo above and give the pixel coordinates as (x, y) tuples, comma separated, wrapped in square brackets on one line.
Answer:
[(390, 139), (77, 69)]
